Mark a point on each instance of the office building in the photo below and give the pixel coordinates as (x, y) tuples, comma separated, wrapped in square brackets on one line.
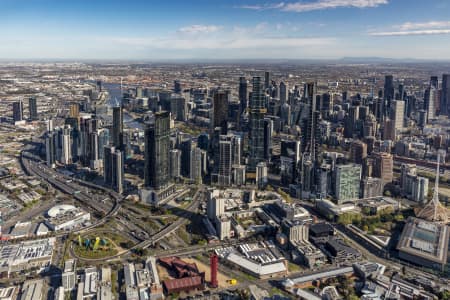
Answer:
[(419, 191), (50, 148), (177, 88), (215, 206), (347, 182), (389, 93), (431, 94), (267, 80), (223, 227), (295, 230), (257, 113), (66, 145), (32, 108), (268, 130), (283, 92), (445, 95), (74, 110), (358, 152), (383, 166), (372, 187), (243, 94), (220, 111), (397, 114), (175, 163), (309, 126), (157, 149), (225, 160), (196, 164), (261, 175), (117, 128), (113, 170), (18, 111)]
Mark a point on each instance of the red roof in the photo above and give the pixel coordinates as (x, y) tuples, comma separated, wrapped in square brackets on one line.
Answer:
[(183, 284)]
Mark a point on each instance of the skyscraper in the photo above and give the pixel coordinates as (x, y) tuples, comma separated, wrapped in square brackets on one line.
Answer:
[(266, 80), (225, 160), (74, 110), (347, 183), (397, 114), (434, 82), (113, 169), (175, 163), (177, 86), (50, 148), (429, 102), (157, 143), (257, 113), (358, 152), (220, 110), (66, 151), (32, 108), (283, 92), (18, 111), (309, 128), (195, 164), (243, 93), (389, 93), (117, 129), (445, 95)]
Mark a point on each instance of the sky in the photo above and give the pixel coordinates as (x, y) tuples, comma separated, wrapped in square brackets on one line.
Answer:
[(224, 29)]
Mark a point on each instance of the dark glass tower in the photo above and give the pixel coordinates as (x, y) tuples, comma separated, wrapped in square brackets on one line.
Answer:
[(445, 96), (243, 93), (157, 148), (309, 124), (220, 111), (389, 93), (117, 129), (266, 80), (257, 114), (18, 111), (32, 108)]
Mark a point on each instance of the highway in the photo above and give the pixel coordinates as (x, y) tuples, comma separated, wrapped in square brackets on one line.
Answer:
[(32, 166), (183, 219)]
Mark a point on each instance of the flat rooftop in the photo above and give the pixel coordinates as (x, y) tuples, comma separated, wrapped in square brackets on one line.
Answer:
[(428, 240)]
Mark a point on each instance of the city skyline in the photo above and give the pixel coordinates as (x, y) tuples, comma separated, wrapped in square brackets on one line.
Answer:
[(139, 30)]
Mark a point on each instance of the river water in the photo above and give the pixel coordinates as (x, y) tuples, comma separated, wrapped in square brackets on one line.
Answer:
[(115, 92)]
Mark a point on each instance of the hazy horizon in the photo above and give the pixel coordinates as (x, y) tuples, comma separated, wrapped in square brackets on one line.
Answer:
[(226, 30)]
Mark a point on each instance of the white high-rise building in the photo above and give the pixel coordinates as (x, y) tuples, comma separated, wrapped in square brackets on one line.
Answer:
[(397, 115), (66, 145), (216, 207)]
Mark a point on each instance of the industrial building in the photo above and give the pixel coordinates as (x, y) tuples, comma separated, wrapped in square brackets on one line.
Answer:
[(26, 255), (424, 243), (187, 276), (262, 260)]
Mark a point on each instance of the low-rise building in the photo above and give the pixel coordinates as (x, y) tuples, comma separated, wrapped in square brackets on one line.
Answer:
[(27, 255), (66, 217), (8, 293), (32, 290)]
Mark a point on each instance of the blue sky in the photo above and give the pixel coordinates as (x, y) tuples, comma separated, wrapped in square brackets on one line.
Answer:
[(224, 29)]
